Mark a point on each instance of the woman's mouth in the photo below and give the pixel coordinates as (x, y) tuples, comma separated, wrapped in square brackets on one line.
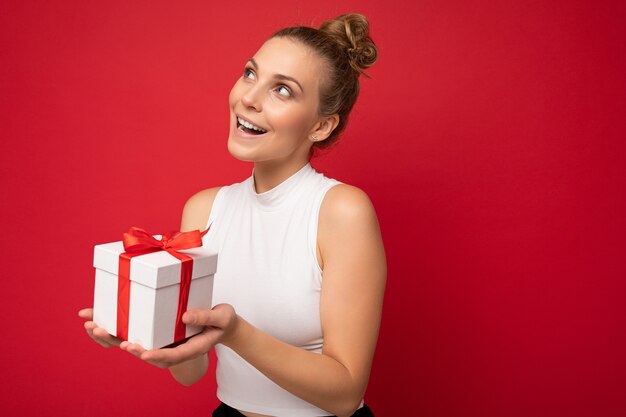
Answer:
[(249, 128)]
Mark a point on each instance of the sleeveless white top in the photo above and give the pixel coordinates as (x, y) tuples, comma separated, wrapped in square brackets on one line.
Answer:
[(267, 270)]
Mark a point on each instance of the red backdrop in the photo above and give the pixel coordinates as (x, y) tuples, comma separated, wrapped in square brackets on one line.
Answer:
[(490, 140)]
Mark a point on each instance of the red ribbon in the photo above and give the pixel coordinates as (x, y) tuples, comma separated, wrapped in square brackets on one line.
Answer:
[(139, 242)]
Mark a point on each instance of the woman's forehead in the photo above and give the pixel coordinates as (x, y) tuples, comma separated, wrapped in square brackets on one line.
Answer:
[(287, 57)]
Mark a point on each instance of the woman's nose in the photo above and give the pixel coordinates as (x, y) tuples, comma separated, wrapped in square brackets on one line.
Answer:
[(252, 98)]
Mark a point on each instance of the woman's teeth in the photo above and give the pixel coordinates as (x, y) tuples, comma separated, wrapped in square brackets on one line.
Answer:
[(249, 125)]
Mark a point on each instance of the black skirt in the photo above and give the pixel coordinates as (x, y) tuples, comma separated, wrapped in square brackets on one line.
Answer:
[(224, 410)]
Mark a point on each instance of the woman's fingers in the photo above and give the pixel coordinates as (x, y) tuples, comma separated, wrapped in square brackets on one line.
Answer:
[(220, 316), (101, 336), (192, 348), (104, 336), (97, 333), (132, 348), (86, 313), (216, 321), (89, 327)]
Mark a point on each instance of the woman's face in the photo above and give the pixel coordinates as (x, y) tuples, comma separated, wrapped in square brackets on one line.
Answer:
[(278, 93)]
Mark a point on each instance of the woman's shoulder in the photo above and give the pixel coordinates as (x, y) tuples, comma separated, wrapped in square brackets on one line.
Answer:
[(197, 209), (345, 205), (347, 225), (345, 200)]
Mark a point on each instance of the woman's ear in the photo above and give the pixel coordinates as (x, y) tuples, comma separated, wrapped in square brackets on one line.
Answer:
[(324, 127)]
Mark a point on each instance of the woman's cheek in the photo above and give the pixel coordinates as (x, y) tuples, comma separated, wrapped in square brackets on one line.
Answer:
[(288, 119), (234, 93)]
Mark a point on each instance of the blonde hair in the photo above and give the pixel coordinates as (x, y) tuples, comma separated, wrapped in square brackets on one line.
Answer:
[(345, 45)]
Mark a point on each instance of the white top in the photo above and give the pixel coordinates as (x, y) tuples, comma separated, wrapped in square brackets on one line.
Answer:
[(267, 270)]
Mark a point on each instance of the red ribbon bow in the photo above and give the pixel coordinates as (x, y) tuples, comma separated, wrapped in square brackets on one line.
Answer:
[(139, 242), (137, 239)]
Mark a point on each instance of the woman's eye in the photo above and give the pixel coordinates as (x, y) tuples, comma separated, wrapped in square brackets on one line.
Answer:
[(247, 73), (284, 91)]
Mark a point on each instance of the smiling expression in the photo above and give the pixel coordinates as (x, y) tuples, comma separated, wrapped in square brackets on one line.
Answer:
[(277, 100)]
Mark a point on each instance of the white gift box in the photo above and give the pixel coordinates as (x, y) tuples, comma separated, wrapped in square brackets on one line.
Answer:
[(154, 291)]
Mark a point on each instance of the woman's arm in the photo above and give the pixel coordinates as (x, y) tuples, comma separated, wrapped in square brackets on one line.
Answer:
[(195, 217), (354, 279), (353, 286), (191, 371)]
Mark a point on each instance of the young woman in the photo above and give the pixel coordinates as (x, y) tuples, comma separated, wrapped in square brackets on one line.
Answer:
[(301, 272)]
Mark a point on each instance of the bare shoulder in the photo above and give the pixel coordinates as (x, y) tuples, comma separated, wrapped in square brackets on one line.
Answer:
[(347, 220), (344, 202), (197, 209)]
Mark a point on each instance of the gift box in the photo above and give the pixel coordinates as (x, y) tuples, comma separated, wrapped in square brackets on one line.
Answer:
[(142, 291)]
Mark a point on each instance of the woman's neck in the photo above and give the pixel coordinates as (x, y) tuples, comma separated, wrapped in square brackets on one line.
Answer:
[(268, 175)]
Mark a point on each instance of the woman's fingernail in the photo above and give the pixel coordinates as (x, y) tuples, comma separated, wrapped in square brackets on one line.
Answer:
[(188, 318)]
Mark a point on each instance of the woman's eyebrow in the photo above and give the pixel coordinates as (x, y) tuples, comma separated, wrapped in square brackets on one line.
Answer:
[(277, 76)]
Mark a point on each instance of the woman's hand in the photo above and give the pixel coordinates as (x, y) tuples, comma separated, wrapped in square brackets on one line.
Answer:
[(219, 325), (98, 334)]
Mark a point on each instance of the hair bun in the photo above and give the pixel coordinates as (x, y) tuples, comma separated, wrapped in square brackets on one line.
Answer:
[(351, 32)]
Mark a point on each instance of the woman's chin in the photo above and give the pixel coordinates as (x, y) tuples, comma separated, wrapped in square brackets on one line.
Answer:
[(238, 151)]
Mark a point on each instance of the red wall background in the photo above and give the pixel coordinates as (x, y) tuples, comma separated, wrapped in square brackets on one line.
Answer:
[(491, 140)]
